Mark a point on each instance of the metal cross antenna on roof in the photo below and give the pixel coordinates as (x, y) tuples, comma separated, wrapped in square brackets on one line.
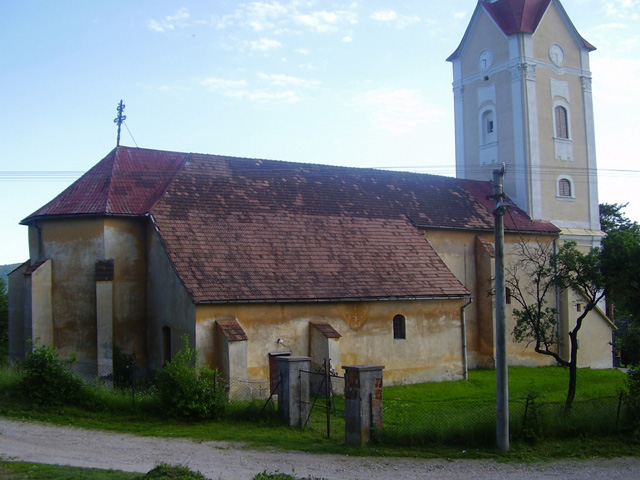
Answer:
[(119, 120)]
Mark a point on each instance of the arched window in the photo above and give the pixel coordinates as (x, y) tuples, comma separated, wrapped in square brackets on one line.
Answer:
[(565, 188), (399, 331), (562, 122), (488, 127)]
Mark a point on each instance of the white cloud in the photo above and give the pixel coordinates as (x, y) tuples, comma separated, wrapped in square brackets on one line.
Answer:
[(283, 18), (264, 44), (280, 80), (385, 16), (269, 88), (170, 22), (398, 111), (265, 96), (323, 21), (229, 88), (392, 17), (622, 8)]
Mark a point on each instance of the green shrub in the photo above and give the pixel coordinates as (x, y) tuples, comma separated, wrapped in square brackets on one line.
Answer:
[(632, 400), (174, 472), (47, 379), (187, 392), (124, 365), (278, 475)]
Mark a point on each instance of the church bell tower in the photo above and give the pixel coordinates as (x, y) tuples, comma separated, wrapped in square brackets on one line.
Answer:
[(522, 93)]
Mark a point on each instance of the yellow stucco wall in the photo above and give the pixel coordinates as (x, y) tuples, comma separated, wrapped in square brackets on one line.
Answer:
[(125, 242), (168, 303), (594, 337), (74, 246), (474, 269), (432, 350), (552, 31)]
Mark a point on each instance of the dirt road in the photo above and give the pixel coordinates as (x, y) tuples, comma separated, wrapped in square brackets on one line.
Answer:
[(33, 442)]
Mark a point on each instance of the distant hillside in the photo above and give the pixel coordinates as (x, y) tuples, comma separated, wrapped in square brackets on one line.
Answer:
[(6, 270)]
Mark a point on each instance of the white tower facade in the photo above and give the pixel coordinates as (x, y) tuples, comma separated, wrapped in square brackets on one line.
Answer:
[(522, 93)]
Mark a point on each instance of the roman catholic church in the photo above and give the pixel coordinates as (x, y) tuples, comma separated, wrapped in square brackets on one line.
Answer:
[(254, 259)]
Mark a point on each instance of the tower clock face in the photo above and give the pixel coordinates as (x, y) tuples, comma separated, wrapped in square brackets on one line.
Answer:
[(485, 60), (556, 54)]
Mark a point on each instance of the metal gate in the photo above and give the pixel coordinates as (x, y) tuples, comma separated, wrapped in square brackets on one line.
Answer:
[(326, 398)]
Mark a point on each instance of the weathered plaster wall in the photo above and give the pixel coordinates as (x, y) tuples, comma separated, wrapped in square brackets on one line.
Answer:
[(41, 328), (552, 30), (125, 242), (74, 246), (168, 304), (473, 265), (594, 337), (432, 350), (17, 314)]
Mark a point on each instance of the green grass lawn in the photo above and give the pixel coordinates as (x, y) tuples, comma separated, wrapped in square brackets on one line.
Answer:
[(463, 412), (550, 382), (455, 406)]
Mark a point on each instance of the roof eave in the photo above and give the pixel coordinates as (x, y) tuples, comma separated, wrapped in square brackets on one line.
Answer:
[(337, 300), (484, 230), (29, 220)]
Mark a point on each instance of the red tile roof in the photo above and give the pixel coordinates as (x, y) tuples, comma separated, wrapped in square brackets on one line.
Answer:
[(126, 182), (232, 330), (257, 230), (326, 329)]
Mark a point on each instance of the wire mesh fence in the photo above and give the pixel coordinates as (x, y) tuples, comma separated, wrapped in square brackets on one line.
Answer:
[(241, 390), (474, 423)]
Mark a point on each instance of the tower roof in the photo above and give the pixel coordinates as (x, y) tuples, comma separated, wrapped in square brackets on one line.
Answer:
[(518, 16)]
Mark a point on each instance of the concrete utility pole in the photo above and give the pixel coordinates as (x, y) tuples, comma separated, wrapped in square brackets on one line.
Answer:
[(502, 375)]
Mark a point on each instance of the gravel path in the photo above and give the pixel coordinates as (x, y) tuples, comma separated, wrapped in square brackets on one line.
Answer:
[(38, 443)]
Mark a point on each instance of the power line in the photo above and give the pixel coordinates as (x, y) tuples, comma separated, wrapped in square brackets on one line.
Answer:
[(579, 174)]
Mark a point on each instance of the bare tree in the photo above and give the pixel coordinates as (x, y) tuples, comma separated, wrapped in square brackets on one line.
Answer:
[(533, 280)]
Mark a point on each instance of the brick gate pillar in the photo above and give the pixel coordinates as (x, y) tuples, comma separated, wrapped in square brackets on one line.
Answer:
[(293, 390), (363, 402)]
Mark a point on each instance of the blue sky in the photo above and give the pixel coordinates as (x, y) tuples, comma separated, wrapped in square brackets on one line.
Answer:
[(358, 83)]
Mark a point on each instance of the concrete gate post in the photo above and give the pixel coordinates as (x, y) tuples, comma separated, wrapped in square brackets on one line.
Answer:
[(363, 402), (293, 390)]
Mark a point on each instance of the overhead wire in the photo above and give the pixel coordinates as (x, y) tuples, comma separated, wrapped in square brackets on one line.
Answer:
[(579, 175)]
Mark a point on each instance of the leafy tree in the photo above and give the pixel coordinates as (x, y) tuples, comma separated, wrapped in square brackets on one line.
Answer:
[(4, 326), (620, 258), (533, 280), (613, 219)]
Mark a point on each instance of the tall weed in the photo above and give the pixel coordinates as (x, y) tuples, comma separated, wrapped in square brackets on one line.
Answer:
[(47, 379), (188, 392)]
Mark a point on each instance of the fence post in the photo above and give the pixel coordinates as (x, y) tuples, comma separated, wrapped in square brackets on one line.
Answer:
[(363, 403), (293, 389)]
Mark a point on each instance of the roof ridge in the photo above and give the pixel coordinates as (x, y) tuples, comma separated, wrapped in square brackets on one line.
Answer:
[(160, 191), (108, 206)]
